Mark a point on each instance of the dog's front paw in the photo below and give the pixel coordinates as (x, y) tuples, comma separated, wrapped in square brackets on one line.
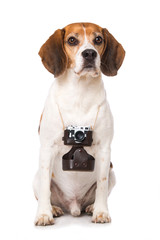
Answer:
[(43, 219), (101, 217)]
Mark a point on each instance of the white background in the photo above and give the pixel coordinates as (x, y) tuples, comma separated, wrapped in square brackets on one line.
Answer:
[(134, 97)]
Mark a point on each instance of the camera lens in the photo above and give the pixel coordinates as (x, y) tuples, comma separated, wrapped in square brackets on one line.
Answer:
[(79, 136)]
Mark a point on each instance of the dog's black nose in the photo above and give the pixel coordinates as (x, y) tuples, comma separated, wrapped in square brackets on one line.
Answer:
[(89, 54)]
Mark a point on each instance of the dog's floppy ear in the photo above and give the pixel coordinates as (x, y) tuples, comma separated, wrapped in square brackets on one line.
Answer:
[(112, 56), (53, 55)]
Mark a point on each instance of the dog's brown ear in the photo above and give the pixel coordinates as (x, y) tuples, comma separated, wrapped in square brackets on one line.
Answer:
[(112, 56), (53, 55)]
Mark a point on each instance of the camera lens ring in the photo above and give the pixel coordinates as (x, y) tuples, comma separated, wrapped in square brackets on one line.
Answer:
[(79, 136)]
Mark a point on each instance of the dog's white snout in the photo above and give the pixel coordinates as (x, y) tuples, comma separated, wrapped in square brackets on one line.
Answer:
[(87, 60)]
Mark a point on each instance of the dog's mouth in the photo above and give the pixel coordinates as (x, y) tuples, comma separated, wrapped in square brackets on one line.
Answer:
[(89, 69), (89, 66)]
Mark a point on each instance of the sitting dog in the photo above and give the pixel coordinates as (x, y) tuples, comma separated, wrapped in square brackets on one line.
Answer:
[(76, 55)]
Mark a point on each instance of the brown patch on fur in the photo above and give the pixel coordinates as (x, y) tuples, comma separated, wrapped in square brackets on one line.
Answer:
[(36, 197), (104, 179), (53, 55), (113, 55), (40, 123), (52, 175), (75, 30), (111, 165), (93, 31)]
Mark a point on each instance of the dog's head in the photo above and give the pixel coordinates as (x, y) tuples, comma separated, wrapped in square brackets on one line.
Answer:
[(84, 47)]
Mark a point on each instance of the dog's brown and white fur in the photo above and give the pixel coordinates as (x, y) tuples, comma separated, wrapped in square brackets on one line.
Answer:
[(78, 91)]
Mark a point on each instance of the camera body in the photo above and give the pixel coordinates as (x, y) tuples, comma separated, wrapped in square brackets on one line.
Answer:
[(77, 159), (78, 135)]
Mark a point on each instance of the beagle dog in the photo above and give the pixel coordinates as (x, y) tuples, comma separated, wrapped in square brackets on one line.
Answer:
[(76, 55)]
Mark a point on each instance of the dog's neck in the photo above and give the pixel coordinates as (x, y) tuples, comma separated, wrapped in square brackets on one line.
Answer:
[(78, 82), (82, 91)]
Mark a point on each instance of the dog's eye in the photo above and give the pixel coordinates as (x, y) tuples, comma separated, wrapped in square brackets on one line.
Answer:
[(98, 40), (73, 41)]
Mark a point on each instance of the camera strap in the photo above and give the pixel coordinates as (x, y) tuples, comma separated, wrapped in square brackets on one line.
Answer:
[(61, 117), (93, 127)]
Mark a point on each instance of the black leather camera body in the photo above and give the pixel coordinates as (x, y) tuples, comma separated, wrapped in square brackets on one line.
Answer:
[(77, 159)]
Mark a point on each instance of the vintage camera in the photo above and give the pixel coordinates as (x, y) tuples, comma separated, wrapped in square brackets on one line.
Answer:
[(77, 159), (78, 135)]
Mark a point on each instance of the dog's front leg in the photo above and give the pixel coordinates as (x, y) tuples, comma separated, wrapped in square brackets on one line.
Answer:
[(100, 212), (44, 212)]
